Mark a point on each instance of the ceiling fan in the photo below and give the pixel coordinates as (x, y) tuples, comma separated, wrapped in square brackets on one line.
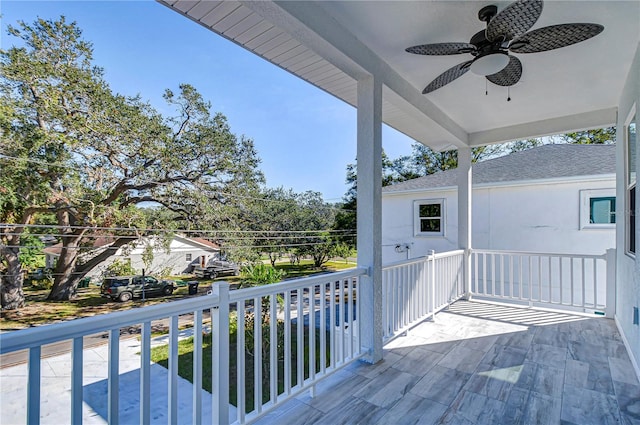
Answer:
[(506, 32)]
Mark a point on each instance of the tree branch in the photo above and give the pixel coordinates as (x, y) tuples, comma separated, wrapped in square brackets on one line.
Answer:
[(108, 252)]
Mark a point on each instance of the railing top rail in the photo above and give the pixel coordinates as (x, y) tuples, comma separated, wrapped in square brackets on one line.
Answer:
[(437, 256), (47, 334), (537, 254), (275, 288), (401, 263), (449, 254)]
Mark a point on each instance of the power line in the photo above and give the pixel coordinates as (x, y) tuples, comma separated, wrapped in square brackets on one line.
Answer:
[(160, 249), (134, 229), (134, 238)]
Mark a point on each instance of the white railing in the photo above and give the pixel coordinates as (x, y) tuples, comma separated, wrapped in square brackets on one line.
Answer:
[(316, 319), (413, 290), (567, 281)]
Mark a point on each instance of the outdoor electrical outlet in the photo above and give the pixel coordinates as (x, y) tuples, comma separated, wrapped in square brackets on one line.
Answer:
[(636, 318)]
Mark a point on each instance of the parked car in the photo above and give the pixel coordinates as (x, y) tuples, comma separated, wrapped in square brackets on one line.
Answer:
[(124, 288), (215, 268)]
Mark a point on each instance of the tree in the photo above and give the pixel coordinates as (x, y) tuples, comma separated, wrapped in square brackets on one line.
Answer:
[(605, 135), (344, 251), (346, 219), (522, 145), (75, 149), (424, 160)]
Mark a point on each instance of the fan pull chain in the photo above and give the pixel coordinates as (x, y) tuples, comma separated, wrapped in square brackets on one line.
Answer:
[(508, 93), (486, 87)]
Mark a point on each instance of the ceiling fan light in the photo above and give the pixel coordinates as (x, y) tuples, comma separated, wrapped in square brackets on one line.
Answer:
[(489, 64)]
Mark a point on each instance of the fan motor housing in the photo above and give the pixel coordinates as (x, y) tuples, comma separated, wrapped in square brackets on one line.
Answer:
[(486, 13)]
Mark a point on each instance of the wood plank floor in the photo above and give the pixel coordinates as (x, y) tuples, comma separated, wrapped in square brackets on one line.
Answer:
[(480, 363)]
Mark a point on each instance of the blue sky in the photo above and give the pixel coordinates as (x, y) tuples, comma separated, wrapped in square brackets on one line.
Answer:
[(304, 136)]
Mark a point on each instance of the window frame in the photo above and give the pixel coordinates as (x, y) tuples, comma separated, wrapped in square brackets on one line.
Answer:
[(417, 218), (585, 207), (188, 257), (630, 184)]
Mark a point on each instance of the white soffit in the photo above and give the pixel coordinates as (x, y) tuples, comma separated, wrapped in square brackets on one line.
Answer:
[(330, 44)]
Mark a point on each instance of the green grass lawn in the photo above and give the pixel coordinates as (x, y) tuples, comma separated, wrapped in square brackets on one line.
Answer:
[(185, 362)]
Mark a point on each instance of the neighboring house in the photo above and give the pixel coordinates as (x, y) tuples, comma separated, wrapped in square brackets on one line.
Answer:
[(179, 257), (553, 198), (52, 252)]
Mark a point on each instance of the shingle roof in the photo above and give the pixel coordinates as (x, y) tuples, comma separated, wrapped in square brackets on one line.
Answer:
[(205, 242), (543, 162)]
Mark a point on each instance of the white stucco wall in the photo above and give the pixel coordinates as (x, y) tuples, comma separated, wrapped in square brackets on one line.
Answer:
[(627, 267), (524, 217)]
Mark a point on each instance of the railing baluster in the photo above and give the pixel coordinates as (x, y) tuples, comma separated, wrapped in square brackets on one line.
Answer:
[(386, 303), (257, 354), (433, 285), (485, 288), (300, 341), (394, 302), (287, 343), (560, 283), (240, 362), (550, 280), (113, 370), (572, 263), (76, 380), (584, 288), (197, 367), (595, 285), (539, 278), (333, 352), (403, 298), (530, 280), (350, 316), (145, 374), (474, 259), (273, 348), (493, 274), (341, 303), (172, 391), (358, 333), (323, 328), (511, 281), (312, 334), (33, 386)]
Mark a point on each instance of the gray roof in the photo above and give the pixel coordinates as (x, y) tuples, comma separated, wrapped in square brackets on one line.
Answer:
[(543, 162)]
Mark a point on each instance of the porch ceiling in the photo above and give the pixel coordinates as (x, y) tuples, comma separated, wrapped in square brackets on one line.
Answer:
[(331, 44)]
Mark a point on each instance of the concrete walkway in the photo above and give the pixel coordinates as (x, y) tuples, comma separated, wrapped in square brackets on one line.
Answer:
[(56, 389)]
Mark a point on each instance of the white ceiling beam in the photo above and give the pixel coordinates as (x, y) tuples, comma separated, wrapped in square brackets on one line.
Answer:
[(548, 127), (310, 24)]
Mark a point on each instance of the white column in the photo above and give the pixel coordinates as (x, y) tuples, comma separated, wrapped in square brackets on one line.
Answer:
[(369, 167), (464, 213)]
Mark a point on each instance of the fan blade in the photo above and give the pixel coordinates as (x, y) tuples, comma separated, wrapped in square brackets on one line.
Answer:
[(509, 75), (448, 76), (439, 49), (514, 20), (554, 37)]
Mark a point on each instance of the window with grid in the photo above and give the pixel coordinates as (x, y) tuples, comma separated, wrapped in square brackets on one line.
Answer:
[(429, 217)]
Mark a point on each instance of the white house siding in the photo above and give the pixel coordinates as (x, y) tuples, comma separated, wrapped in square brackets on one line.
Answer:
[(541, 217), (175, 258), (627, 275)]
